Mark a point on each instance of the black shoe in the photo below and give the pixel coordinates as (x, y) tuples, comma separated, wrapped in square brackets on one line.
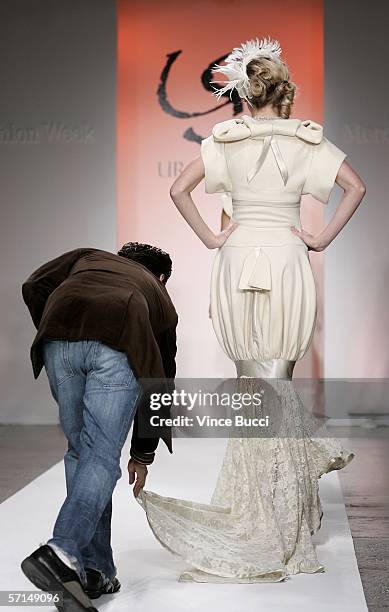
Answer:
[(46, 570), (98, 584)]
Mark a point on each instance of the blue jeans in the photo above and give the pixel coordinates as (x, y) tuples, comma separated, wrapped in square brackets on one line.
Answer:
[(96, 392)]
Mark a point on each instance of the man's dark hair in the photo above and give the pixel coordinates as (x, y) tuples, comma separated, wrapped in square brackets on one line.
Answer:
[(156, 260)]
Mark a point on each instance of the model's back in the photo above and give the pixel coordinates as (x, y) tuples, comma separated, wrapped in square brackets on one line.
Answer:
[(267, 161), (263, 298)]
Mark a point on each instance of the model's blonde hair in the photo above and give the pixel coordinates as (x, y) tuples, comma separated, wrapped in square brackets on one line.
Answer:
[(270, 84)]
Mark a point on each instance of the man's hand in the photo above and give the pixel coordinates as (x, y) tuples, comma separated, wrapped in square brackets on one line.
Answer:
[(140, 470)]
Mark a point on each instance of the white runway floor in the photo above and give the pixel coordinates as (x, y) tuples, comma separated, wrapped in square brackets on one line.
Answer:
[(149, 573)]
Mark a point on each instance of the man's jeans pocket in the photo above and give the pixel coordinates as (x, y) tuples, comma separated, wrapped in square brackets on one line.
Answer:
[(57, 362), (111, 369)]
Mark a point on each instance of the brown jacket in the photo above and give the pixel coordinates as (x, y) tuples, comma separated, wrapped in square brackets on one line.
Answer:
[(93, 294)]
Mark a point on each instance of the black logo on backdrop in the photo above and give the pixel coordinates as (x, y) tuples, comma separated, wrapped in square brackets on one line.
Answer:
[(206, 78)]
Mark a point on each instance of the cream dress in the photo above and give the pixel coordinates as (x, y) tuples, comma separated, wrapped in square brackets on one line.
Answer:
[(266, 506), (263, 296)]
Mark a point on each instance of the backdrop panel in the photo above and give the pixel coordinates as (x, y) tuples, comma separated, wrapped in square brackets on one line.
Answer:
[(165, 108)]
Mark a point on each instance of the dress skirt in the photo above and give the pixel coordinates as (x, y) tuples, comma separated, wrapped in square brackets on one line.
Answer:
[(263, 295), (265, 508)]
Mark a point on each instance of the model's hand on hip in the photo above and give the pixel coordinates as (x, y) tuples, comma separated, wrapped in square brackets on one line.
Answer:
[(139, 471), (310, 240), (219, 239)]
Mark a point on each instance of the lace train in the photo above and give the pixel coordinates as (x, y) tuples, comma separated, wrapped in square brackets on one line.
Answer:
[(265, 507)]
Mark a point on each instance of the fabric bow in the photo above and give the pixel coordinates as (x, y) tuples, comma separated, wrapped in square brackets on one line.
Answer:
[(244, 127), (256, 272)]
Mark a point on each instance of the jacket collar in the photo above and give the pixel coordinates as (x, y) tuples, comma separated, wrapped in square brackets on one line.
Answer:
[(247, 127)]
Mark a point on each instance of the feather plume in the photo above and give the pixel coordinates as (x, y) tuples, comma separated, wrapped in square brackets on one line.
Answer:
[(236, 65)]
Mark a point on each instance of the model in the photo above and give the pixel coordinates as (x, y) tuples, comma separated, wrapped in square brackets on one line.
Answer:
[(266, 507)]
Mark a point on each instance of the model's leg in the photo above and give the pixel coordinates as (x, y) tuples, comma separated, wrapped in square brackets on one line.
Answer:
[(110, 396)]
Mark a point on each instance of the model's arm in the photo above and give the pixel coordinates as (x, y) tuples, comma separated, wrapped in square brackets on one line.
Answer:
[(353, 191), (180, 193)]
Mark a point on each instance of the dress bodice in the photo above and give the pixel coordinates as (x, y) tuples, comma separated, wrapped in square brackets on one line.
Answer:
[(270, 161)]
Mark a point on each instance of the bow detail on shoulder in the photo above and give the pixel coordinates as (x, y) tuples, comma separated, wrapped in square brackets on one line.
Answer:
[(244, 127)]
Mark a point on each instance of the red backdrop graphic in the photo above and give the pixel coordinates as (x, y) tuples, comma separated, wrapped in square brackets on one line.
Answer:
[(165, 107)]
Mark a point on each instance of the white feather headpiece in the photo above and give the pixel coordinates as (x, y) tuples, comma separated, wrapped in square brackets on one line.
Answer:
[(236, 65)]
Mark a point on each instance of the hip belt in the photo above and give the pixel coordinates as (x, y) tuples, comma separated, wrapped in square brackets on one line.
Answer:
[(256, 271), (266, 214)]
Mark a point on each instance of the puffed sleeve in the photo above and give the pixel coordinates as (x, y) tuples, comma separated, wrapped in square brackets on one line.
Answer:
[(227, 203), (216, 172), (325, 163)]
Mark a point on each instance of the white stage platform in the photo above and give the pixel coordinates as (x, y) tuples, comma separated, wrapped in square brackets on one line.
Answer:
[(149, 574)]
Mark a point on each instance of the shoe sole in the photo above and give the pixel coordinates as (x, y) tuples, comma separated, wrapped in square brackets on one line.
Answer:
[(97, 594), (45, 580)]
